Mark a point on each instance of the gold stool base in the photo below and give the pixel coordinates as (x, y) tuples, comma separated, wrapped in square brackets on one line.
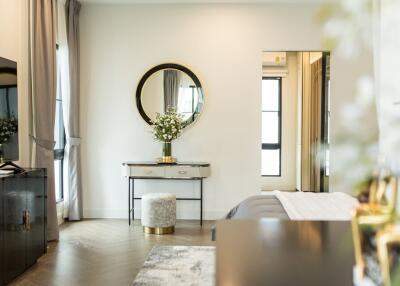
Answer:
[(159, 230)]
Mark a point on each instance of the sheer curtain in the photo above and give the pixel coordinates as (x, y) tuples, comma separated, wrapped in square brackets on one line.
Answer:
[(42, 96), (315, 134), (72, 167), (386, 64)]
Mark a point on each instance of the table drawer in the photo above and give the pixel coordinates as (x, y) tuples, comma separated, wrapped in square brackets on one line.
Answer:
[(182, 172), (139, 171)]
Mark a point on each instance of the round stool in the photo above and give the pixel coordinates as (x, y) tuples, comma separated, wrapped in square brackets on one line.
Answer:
[(158, 213)]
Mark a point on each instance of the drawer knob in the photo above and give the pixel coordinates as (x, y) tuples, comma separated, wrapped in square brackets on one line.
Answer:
[(182, 172), (148, 171)]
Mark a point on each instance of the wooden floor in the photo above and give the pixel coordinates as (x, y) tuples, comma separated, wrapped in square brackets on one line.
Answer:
[(105, 252)]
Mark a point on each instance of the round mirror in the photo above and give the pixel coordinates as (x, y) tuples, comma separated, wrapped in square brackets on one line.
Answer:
[(170, 86)]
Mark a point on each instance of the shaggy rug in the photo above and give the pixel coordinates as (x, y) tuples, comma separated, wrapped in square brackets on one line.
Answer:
[(178, 265)]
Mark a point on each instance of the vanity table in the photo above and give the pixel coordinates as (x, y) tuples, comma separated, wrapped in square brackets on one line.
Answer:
[(166, 87), (154, 171)]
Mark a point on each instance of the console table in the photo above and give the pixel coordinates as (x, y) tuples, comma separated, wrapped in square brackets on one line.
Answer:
[(151, 170)]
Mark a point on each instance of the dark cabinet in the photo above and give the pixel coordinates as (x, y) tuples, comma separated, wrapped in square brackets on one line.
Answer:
[(22, 222)]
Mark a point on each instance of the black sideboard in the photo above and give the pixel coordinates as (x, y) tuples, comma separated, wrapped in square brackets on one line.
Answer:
[(22, 222)]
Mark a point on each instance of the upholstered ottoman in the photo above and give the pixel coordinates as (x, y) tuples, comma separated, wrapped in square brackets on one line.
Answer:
[(158, 213)]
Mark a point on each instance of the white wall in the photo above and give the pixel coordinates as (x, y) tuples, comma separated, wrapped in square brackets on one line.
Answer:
[(13, 43), (223, 45), (9, 25)]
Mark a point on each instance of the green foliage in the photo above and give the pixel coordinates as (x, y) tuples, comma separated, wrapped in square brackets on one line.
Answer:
[(8, 127), (168, 126)]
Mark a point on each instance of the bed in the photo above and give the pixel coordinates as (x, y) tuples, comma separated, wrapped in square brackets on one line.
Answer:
[(294, 206)]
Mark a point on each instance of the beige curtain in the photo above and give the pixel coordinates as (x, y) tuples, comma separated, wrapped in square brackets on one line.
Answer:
[(305, 122), (42, 95), (315, 128), (311, 124)]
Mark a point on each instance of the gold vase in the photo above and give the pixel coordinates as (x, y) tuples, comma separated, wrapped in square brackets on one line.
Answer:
[(167, 154)]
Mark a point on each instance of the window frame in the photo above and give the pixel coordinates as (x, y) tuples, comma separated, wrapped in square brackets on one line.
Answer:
[(59, 153), (275, 146)]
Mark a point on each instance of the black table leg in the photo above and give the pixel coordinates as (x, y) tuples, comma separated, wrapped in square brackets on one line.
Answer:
[(201, 202), (133, 200), (129, 200)]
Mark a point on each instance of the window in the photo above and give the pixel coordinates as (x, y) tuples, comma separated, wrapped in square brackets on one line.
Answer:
[(8, 101), (187, 101), (271, 126), (59, 138)]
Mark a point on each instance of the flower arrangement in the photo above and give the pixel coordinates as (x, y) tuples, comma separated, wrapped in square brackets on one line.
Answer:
[(167, 126), (8, 127)]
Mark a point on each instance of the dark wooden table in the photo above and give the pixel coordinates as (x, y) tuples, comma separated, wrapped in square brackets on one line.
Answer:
[(283, 252)]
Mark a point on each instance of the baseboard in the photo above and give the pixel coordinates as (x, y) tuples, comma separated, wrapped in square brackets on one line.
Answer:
[(123, 214)]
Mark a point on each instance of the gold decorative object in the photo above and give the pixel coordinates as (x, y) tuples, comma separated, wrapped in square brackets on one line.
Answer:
[(167, 154), (159, 230), (166, 160), (387, 239), (374, 215)]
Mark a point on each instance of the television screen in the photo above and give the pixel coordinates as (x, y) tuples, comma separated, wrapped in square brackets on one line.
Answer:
[(8, 110)]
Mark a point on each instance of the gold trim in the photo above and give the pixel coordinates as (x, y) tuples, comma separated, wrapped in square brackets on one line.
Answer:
[(376, 214), (166, 160), (159, 230), (387, 238)]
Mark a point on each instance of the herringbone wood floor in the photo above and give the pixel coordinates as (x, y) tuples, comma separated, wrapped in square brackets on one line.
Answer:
[(105, 252)]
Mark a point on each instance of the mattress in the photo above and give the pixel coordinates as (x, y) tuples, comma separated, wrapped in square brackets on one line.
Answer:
[(258, 207)]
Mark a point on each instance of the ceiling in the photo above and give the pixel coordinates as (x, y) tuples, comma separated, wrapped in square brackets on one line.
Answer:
[(203, 1)]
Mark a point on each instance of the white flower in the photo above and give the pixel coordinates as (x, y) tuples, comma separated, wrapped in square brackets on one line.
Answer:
[(167, 127)]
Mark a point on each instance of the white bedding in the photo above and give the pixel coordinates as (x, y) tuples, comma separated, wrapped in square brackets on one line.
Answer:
[(317, 206)]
